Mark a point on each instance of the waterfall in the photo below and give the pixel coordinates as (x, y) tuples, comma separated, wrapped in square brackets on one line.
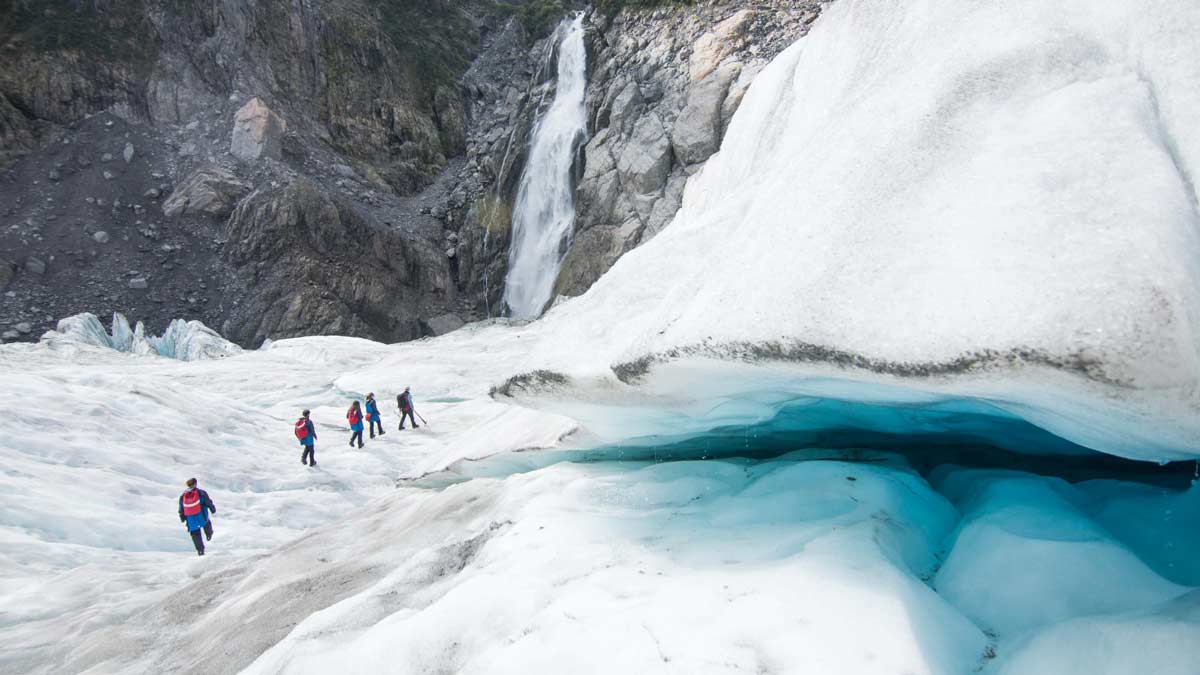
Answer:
[(544, 213)]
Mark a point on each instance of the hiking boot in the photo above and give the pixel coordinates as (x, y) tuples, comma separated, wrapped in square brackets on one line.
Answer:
[(199, 552), (360, 446)]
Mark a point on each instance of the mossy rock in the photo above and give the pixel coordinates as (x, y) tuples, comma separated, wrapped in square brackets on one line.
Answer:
[(112, 30), (494, 215)]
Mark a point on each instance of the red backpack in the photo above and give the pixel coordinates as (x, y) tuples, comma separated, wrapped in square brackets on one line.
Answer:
[(302, 428), (191, 502)]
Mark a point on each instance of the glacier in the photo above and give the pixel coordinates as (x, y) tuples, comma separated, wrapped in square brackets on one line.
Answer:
[(889, 395), (493, 539), (182, 340)]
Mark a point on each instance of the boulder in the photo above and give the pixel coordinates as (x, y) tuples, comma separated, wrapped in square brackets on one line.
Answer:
[(257, 132), (35, 266), (646, 159), (696, 134), (138, 284), (443, 323), (127, 153), (625, 107), (101, 237), (23, 328), (209, 190), (724, 39)]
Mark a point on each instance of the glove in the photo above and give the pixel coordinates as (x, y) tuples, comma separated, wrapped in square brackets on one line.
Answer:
[(182, 519)]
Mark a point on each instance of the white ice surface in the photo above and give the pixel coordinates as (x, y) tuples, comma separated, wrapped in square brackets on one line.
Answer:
[(686, 567), (1160, 640), (1044, 560)]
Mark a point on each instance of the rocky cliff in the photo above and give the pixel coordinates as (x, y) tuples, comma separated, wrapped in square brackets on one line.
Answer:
[(287, 167), (662, 90)]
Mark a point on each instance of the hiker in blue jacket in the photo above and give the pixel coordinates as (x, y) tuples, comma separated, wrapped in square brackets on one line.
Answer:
[(354, 417), (306, 433), (194, 507), (373, 418)]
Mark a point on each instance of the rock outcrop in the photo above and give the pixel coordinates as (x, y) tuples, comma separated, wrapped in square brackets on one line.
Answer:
[(8, 270), (257, 132), (17, 134), (312, 264), (209, 190)]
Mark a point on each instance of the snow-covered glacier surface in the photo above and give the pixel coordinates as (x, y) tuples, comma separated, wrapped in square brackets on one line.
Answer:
[(940, 277), (830, 560)]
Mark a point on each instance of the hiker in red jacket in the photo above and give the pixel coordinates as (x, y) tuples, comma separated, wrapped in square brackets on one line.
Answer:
[(194, 506), (355, 417), (306, 433)]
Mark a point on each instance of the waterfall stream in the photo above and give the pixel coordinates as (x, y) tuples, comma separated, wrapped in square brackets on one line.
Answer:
[(544, 212)]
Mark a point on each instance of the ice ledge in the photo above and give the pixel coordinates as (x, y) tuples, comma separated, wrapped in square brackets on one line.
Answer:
[(1018, 401)]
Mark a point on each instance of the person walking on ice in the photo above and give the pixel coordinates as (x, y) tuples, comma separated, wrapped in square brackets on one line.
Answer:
[(405, 402), (194, 507), (354, 416), (306, 433), (373, 418)]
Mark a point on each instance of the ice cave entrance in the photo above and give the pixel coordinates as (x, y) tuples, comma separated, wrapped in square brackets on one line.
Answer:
[(964, 431)]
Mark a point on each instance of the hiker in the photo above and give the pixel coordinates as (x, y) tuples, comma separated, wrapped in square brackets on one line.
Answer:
[(306, 433), (373, 418), (354, 415), (404, 401), (194, 506)]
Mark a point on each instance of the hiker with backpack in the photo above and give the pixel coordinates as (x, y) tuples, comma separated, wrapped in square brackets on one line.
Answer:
[(405, 403), (194, 507), (354, 416), (373, 418), (306, 433)]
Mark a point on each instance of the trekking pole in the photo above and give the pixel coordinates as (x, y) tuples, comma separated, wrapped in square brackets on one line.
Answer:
[(419, 415)]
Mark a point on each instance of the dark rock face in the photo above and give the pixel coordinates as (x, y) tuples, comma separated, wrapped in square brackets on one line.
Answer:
[(311, 264), (367, 186)]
